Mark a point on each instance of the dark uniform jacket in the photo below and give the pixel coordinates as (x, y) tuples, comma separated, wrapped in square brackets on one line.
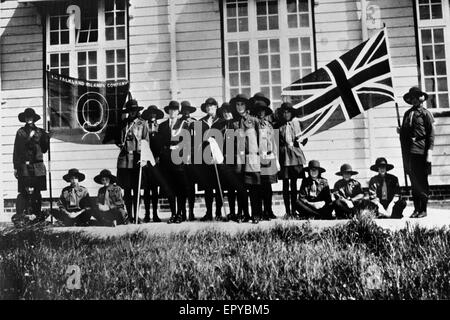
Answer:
[(154, 139), (74, 198), (268, 148), (115, 196), (219, 125), (321, 192), (189, 123), (347, 189), (417, 131), (290, 154), (171, 137), (131, 135), (248, 127), (376, 188), (28, 152)]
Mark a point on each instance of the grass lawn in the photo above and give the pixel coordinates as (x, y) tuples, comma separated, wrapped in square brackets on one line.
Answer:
[(358, 260)]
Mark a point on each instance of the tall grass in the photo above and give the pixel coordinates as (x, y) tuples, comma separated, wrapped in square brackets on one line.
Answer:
[(358, 260)]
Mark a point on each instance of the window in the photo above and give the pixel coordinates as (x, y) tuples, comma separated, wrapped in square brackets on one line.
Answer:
[(96, 51), (434, 32), (268, 45)]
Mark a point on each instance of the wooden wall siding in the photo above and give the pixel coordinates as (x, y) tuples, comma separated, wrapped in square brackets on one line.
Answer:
[(199, 64), (21, 59)]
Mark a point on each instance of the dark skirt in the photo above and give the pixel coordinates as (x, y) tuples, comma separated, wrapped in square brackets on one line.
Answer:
[(175, 181), (128, 178), (230, 179), (151, 177), (269, 179), (39, 183), (191, 173), (252, 178), (291, 172), (206, 177)]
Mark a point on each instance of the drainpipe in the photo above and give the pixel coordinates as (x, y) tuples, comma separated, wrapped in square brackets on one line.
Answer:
[(370, 118), (174, 90)]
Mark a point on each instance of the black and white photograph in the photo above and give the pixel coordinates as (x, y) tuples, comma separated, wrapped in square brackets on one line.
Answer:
[(237, 151)]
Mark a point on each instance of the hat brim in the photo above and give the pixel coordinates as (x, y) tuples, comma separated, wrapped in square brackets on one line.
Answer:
[(128, 110), (203, 107), (21, 117), (235, 100), (265, 99), (321, 170), (79, 175), (407, 96), (267, 109), (341, 173), (290, 109), (146, 114), (167, 108), (191, 109), (388, 167), (98, 178)]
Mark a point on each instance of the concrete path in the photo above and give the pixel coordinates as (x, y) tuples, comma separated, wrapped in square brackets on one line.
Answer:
[(437, 218)]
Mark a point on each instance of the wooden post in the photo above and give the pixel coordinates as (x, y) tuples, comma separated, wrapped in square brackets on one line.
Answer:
[(370, 118)]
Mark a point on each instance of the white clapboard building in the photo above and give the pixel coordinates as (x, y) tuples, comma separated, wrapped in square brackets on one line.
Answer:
[(193, 49)]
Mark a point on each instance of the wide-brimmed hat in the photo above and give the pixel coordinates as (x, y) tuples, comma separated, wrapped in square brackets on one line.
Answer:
[(186, 106), (28, 113), (286, 106), (152, 109), (173, 105), (259, 96), (209, 101), (74, 173), (346, 168), (239, 97), (105, 173), (414, 92), (381, 162), (132, 105), (261, 105), (314, 164), (225, 107)]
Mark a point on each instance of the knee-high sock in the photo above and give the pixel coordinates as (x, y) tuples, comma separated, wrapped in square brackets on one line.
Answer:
[(231, 196), (147, 201), (293, 193), (255, 200), (128, 199), (286, 196), (266, 192), (209, 196)]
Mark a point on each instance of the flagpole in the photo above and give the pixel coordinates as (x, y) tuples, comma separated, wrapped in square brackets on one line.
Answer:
[(370, 117), (47, 122), (401, 146), (220, 189), (138, 208)]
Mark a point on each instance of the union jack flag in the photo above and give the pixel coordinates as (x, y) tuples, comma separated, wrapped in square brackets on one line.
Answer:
[(344, 88)]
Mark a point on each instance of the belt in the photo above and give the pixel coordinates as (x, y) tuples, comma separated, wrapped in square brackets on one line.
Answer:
[(33, 162), (415, 139)]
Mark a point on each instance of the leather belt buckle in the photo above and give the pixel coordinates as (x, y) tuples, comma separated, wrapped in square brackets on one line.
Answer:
[(130, 152), (27, 163)]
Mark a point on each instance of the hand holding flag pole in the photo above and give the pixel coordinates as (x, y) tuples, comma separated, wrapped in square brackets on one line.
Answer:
[(217, 159)]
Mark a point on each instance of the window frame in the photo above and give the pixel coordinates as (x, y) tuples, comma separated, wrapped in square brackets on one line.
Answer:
[(443, 23), (100, 46), (283, 33)]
